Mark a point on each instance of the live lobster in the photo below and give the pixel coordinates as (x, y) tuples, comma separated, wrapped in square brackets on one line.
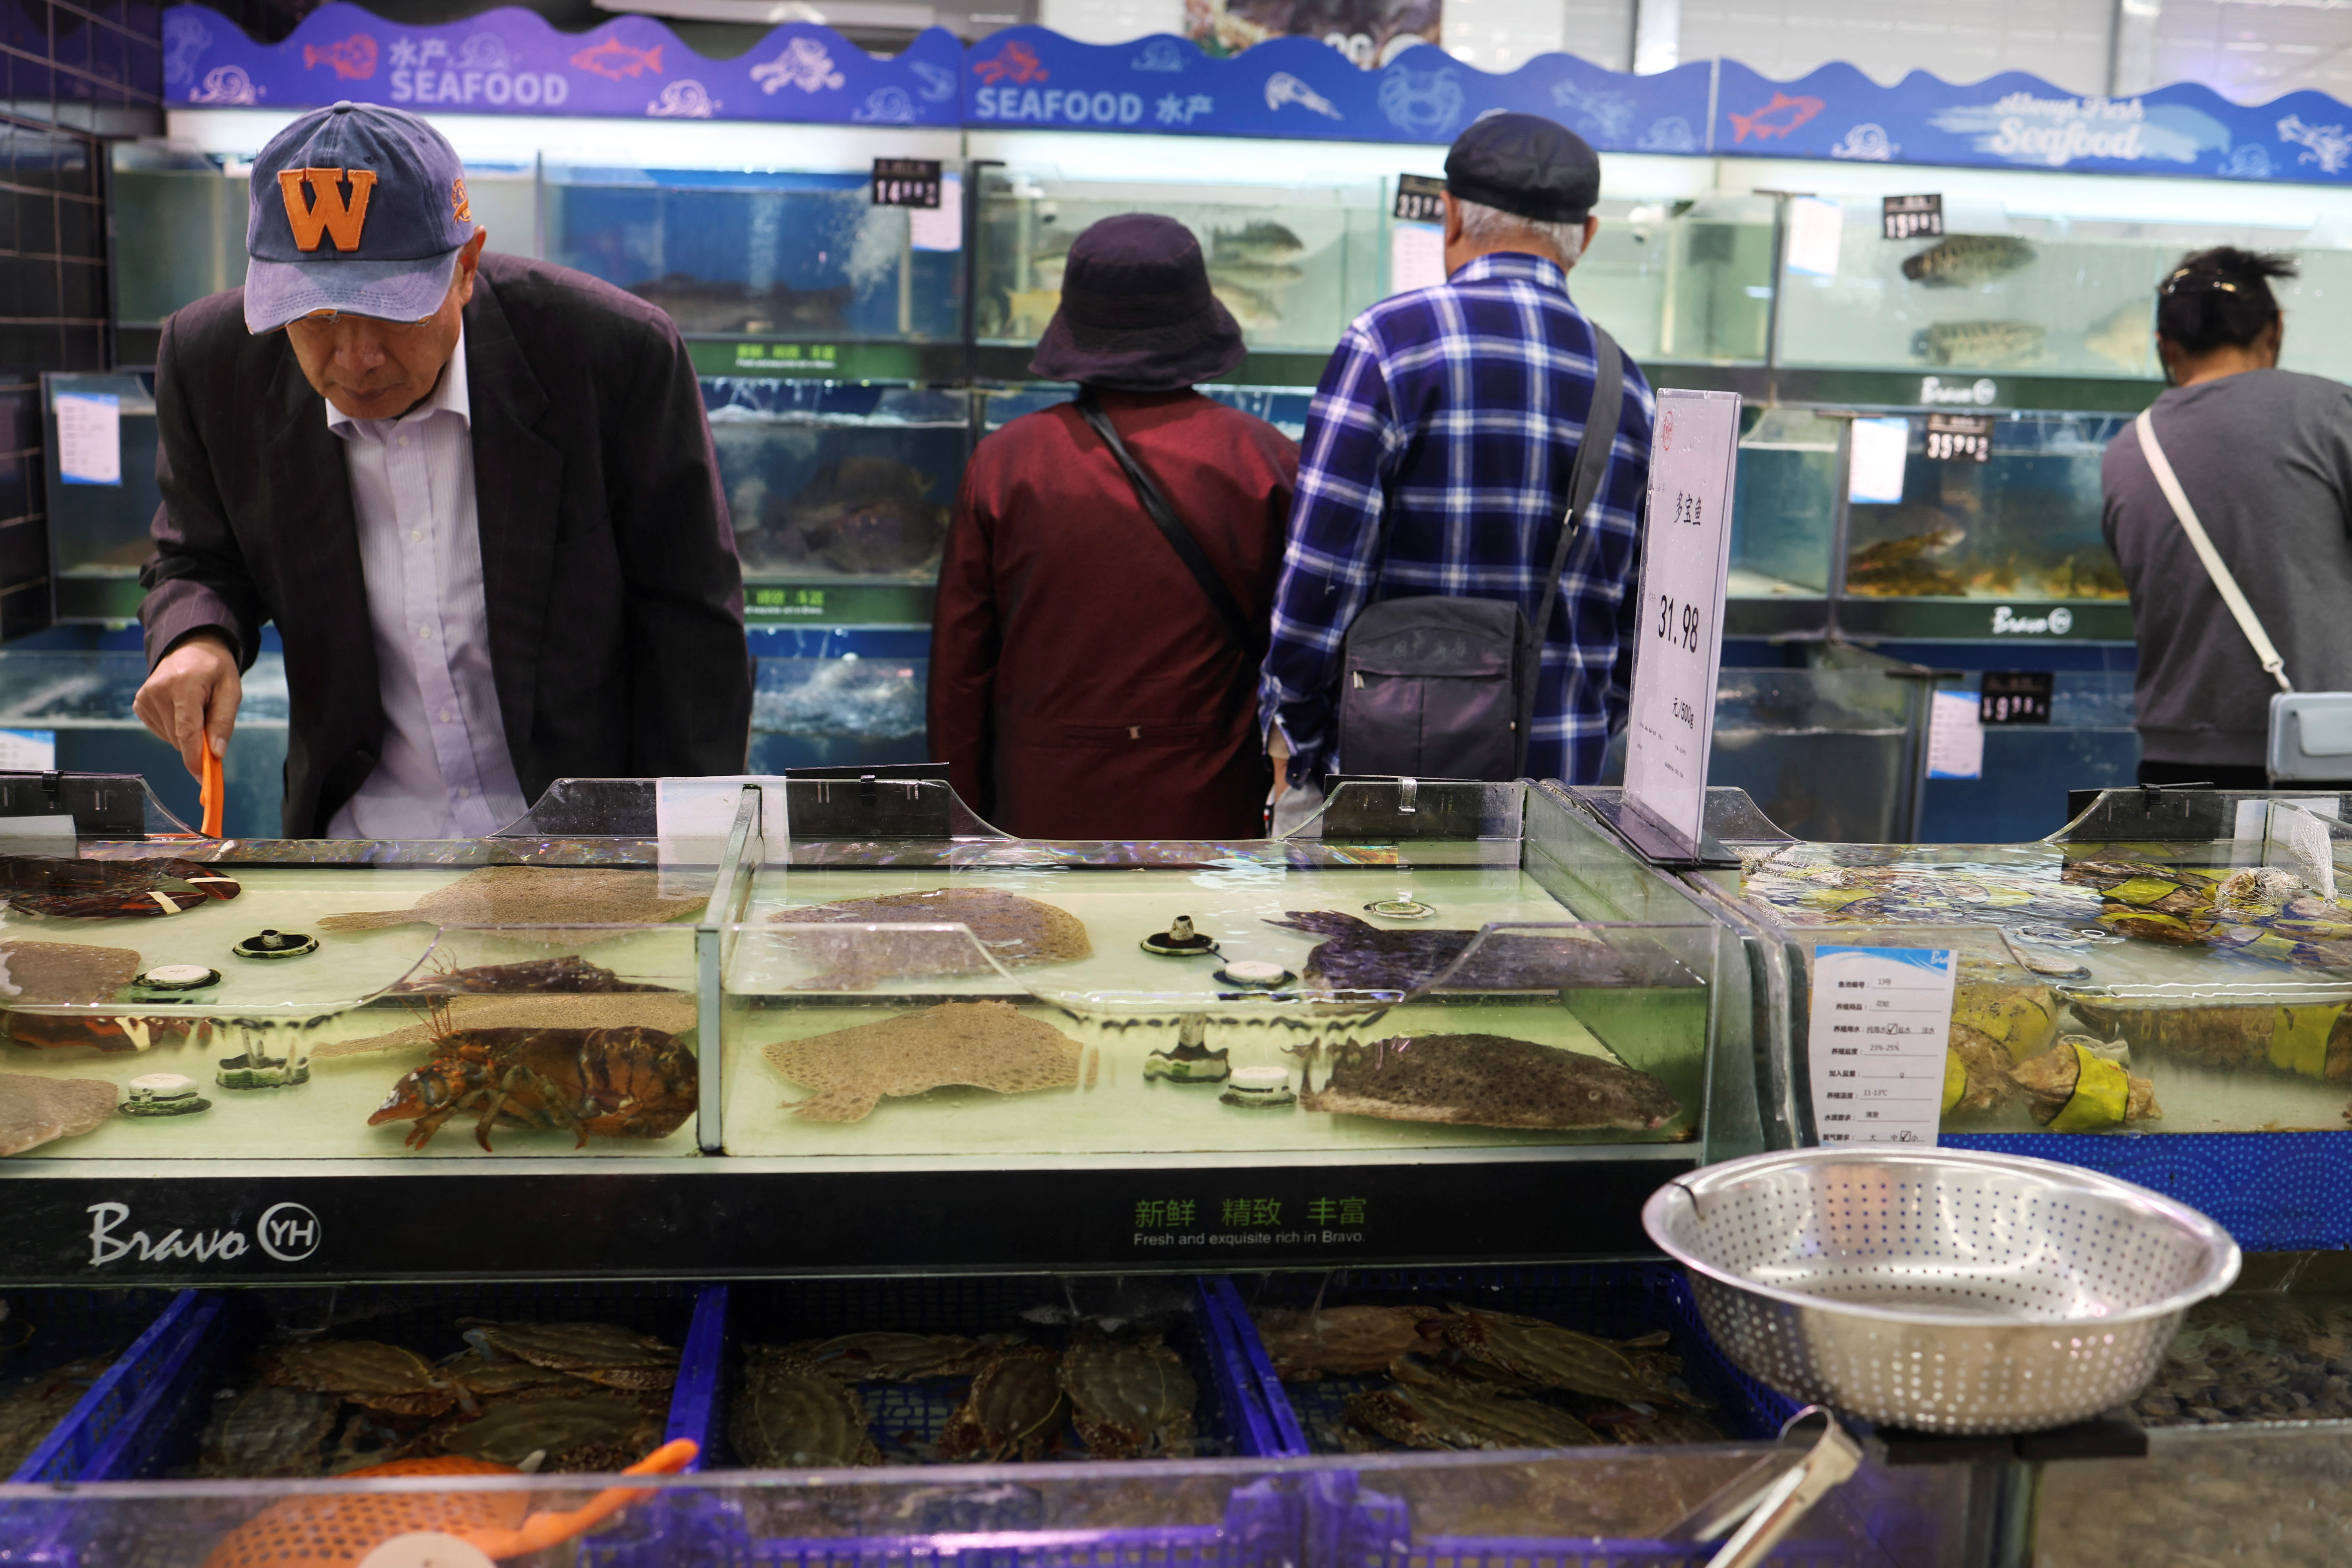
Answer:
[(56, 884), (628, 1081)]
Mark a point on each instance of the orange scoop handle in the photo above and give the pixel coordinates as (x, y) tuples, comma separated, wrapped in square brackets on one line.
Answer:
[(541, 1530), (210, 792)]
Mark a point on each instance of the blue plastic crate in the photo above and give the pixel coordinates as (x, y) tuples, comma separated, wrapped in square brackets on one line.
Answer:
[(153, 1429), (1614, 1301), (67, 1325), (1260, 1524)]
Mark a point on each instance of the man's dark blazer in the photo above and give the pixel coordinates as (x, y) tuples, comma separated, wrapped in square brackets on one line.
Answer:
[(616, 600)]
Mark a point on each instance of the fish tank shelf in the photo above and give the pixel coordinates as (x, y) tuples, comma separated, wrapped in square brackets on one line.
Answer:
[(1379, 1019)]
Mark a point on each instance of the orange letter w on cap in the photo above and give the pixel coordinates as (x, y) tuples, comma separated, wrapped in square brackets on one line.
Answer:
[(326, 212)]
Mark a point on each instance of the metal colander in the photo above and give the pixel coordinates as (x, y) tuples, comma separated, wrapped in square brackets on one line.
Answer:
[(1939, 1289)]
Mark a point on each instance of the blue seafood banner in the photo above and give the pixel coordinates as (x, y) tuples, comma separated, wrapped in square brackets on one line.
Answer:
[(510, 61), (2014, 120), (1302, 87)]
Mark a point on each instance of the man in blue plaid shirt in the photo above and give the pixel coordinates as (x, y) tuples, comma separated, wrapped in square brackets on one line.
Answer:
[(1438, 454)]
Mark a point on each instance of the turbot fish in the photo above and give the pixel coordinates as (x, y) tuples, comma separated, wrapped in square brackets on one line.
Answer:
[(2124, 338), (1489, 1080), (1966, 261), (37, 1111), (1260, 242), (1362, 957), (1011, 929), (1987, 344), (534, 895), (976, 1045)]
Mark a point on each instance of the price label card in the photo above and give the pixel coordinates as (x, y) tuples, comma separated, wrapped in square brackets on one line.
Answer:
[(1419, 199), (1955, 737), (1881, 1019), (1911, 217), (1416, 256), (1816, 227), (1678, 650), (906, 182), (89, 438), (2015, 697), (1960, 437)]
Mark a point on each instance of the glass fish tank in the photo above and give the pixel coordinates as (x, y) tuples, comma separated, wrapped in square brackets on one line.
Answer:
[(783, 253), (1475, 971), (2022, 525), (1784, 507), (833, 484), (99, 516), (1294, 264), (2179, 967)]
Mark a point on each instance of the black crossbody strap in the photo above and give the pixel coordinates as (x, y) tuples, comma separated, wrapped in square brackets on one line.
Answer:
[(1180, 538), (1592, 462)]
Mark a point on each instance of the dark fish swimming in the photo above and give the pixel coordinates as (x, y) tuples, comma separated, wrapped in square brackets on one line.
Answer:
[(699, 305), (1362, 957), (1489, 1080), (1967, 260)]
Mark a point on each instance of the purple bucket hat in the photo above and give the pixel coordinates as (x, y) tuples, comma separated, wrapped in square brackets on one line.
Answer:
[(1136, 314)]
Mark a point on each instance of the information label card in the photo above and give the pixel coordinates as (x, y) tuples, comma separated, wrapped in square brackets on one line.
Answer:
[(1882, 1020), (1678, 644)]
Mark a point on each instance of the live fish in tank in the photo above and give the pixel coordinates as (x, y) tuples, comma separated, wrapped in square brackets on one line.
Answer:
[(1905, 565), (866, 516), (2124, 338), (1012, 930), (1488, 1080), (1964, 260), (1360, 956), (698, 305), (535, 895), (976, 1045), (1262, 243), (626, 1082), (1989, 344), (1253, 309)]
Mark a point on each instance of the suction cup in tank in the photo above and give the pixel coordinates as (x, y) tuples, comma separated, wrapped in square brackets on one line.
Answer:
[(252, 1069), (1255, 975), (277, 944), (1192, 1061), (1180, 940), (1259, 1089), (1400, 910), (166, 981), (164, 1094)]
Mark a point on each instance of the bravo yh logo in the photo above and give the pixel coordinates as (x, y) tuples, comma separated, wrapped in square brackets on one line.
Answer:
[(287, 1232), (2056, 624)]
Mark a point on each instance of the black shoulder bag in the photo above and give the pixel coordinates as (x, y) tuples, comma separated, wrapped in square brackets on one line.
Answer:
[(1180, 538), (1439, 687)]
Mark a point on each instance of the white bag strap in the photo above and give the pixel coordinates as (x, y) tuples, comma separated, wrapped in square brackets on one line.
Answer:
[(2215, 567)]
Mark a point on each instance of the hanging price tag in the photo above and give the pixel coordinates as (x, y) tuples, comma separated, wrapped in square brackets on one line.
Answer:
[(906, 182), (2015, 697), (1670, 723), (1960, 437), (1881, 1019), (1419, 199), (1911, 217)]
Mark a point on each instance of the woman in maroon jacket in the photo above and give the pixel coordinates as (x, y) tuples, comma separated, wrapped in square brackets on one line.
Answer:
[(1084, 684)]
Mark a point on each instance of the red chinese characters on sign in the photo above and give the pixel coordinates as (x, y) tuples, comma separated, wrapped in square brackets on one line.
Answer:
[(352, 58)]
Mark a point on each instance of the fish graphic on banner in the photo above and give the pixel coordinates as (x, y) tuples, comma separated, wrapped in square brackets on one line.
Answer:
[(511, 61)]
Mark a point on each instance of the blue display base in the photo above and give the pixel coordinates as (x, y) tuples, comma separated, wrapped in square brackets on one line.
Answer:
[(2272, 1190)]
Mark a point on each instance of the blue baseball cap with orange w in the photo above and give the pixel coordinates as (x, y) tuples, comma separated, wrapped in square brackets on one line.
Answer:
[(357, 210)]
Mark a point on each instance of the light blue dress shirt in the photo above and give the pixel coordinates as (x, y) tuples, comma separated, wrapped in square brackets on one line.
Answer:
[(445, 772)]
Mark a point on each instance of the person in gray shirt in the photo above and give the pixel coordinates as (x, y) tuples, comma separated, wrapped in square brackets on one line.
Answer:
[(2265, 455)]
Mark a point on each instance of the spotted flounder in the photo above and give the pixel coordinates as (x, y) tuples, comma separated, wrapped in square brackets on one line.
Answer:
[(1012, 930), (1489, 1080), (976, 1045), (1362, 957)]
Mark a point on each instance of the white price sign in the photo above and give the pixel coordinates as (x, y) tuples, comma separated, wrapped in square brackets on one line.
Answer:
[(1679, 646), (1882, 1020)]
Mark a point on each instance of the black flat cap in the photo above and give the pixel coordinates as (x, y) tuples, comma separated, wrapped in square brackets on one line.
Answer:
[(1525, 164)]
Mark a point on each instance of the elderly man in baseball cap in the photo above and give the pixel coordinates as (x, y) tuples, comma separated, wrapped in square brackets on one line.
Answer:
[(1438, 456), (476, 493)]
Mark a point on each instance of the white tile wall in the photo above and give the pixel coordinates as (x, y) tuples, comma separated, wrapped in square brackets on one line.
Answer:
[(1111, 21), (2062, 41)]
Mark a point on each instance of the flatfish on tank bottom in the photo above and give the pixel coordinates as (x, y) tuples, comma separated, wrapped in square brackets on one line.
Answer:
[(1012, 929), (1360, 956), (866, 516), (973, 1045), (1487, 1080)]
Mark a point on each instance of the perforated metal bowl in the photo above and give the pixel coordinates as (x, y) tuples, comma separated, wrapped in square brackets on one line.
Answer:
[(1939, 1289)]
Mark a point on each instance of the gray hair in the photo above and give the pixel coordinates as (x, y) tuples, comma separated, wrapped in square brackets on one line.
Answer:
[(1488, 226)]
